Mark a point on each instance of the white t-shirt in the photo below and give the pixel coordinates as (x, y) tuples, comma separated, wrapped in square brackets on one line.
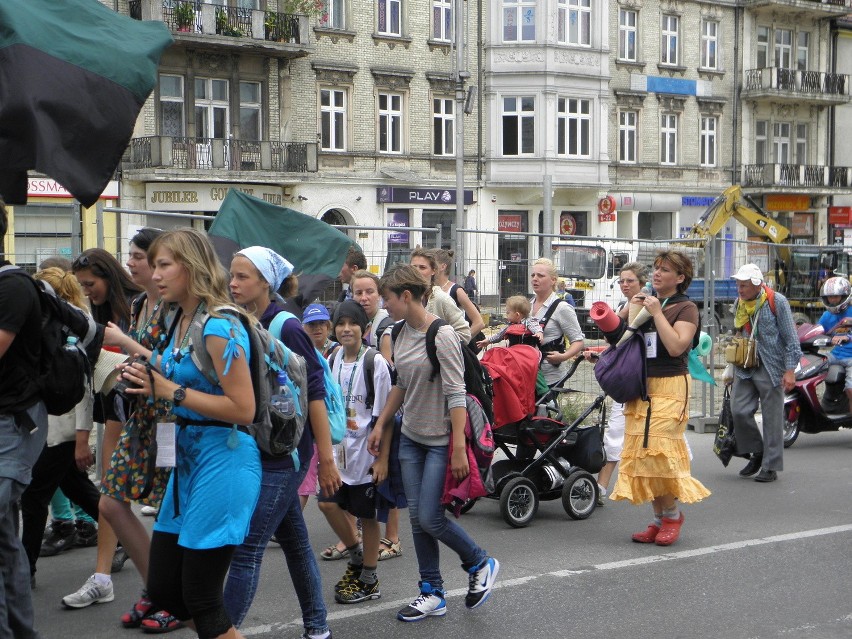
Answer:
[(372, 339), (350, 376)]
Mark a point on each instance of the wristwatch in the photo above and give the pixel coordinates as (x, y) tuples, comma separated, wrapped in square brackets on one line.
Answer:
[(179, 396)]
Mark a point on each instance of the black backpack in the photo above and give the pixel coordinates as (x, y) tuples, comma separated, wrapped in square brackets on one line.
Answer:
[(70, 345), (477, 381)]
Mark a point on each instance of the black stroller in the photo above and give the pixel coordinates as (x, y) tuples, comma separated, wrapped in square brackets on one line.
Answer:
[(546, 458)]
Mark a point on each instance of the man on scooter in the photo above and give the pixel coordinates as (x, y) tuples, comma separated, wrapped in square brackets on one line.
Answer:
[(761, 312), (836, 295)]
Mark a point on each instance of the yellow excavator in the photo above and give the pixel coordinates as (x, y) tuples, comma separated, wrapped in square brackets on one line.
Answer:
[(797, 272)]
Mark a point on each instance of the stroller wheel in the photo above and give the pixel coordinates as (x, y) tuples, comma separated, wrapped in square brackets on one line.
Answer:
[(518, 502), (579, 494)]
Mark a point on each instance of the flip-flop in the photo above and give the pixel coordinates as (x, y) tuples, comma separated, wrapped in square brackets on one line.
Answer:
[(333, 554), (392, 550)]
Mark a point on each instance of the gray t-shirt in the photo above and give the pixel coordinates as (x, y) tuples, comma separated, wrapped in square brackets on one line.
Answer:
[(563, 323), (426, 416)]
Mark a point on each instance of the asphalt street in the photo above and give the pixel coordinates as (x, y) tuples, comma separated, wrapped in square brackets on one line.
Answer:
[(755, 561)]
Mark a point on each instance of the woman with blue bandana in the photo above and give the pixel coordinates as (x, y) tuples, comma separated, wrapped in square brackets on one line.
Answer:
[(257, 273)]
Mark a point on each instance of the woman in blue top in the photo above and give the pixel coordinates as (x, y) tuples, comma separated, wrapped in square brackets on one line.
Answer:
[(215, 484)]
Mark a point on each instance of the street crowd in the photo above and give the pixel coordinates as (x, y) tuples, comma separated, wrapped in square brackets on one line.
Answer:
[(175, 437)]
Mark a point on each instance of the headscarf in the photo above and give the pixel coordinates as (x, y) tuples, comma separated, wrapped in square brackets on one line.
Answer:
[(274, 268)]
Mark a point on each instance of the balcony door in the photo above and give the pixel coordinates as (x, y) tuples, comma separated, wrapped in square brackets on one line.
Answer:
[(212, 118)]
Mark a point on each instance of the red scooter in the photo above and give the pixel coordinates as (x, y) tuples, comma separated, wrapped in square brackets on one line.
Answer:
[(805, 410)]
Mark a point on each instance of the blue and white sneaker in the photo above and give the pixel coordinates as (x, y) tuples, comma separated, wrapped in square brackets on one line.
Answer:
[(429, 603), (480, 582)]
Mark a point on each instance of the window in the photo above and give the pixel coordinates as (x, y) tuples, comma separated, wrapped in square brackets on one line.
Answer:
[(783, 48), (333, 119), (781, 142), (332, 16), (669, 45), (762, 47), (627, 136), (250, 128), (802, 48), (573, 124), (171, 106), (575, 22), (668, 138), (443, 130), (627, 35), (709, 44), (442, 20), (801, 144), (211, 108), (761, 127), (709, 125), (518, 20), (518, 126), (390, 123), (390, 12)]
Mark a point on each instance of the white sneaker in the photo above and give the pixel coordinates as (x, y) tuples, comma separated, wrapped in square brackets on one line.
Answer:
[(91, 592), (150, 511), (601, 495), (429, 603), (480, 582)]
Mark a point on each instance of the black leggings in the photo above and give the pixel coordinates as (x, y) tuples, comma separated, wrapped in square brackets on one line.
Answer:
[(189, 583)]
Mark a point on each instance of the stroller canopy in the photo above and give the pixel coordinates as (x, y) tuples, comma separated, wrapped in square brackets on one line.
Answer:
[(514, 372)]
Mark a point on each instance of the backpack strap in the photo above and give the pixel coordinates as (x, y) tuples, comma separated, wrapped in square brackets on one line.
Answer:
[(770, 297), (277, 323), (454, 293), (369, 372), (550, 311), (431, 347), (200, 357), (379, 330)]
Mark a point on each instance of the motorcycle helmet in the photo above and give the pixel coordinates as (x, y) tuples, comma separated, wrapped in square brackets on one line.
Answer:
[(836, 287)]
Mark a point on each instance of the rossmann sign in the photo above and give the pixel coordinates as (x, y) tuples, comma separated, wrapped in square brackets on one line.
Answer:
[(45, 187), (400, 195)]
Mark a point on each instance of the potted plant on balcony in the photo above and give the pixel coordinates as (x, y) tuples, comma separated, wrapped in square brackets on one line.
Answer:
[(184, 14), (223, 27)]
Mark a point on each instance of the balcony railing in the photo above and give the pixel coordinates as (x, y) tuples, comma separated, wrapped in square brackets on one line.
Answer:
[(217, 154), (779, 79), (833, 7), (196, 17), (797, 175)]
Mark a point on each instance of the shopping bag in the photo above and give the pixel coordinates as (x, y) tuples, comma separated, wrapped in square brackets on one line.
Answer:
[(725, 443)]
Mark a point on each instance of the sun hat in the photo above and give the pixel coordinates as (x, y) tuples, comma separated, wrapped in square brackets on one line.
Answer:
[(749, 272), (106, 374)]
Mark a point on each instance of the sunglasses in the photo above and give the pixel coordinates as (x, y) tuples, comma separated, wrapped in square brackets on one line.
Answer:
[(620, 282), (83, 262)]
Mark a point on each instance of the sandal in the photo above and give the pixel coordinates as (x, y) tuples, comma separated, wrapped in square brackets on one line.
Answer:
[(669, 531), (392, 550), (332, 553), (160, 622), (140, 610)]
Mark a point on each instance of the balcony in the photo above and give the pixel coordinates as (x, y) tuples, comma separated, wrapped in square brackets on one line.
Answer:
[(186, 157), (794, 86), (207, 26), (816, 8), (817, 179)]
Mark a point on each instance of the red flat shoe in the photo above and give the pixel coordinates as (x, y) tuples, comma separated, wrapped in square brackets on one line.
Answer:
[(669, 531), (647, 536)]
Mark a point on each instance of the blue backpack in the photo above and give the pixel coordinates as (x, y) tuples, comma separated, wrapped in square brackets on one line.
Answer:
[(334, 404)]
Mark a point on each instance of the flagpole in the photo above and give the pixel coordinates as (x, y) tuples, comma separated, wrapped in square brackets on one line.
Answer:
[(459, 120)]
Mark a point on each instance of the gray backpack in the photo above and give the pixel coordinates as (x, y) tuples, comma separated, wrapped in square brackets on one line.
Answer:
[(275, 435)]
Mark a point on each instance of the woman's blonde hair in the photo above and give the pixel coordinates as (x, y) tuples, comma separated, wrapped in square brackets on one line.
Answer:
[(551, 268), (400, 278), (445, 257), (519, 304), (638, 269), (65, 284), (207, 278)]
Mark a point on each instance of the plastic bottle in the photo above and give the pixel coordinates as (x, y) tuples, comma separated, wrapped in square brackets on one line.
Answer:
[(283, 401), (648, 290)]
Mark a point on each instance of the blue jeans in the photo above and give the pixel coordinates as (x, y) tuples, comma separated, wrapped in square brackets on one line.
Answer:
[(19, 450), (278, 512), (424, 469)]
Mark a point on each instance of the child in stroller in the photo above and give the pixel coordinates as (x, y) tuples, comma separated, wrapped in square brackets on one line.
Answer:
[(546, 458), (522, 328)]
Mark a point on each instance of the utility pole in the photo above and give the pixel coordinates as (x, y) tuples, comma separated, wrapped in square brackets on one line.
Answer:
[(460, 74)]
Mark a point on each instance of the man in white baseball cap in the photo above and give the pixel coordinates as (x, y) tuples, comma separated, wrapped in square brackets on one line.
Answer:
[(765, 315)]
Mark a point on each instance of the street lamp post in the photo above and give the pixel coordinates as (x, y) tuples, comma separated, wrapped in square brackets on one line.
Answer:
[(458, 15)]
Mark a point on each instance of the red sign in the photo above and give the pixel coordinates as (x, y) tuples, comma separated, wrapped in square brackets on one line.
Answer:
[(606, 217), (840, 215), (567, 224), (509, 223)]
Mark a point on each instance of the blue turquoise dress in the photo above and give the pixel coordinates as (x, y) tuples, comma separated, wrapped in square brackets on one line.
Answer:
[(219, 468)]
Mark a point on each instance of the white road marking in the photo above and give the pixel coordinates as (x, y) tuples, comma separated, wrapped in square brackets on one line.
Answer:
[(358, 611)]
